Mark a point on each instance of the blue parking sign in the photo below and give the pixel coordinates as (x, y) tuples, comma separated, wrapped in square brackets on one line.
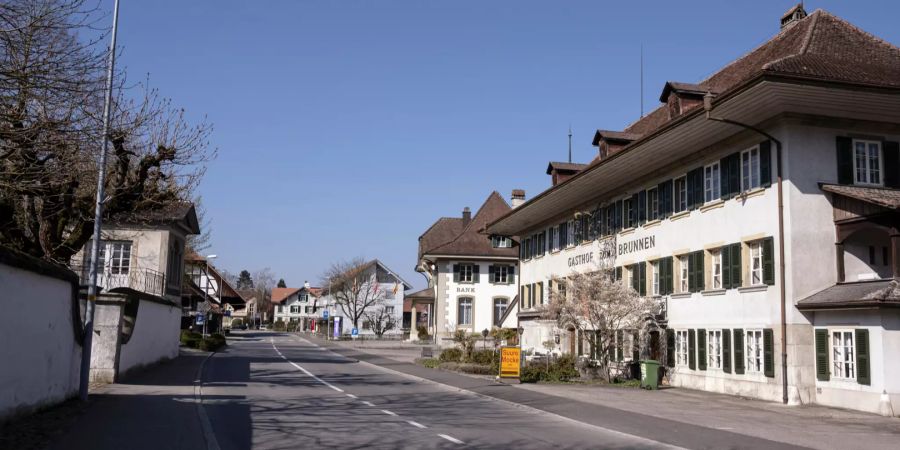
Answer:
[(325, 314), (200, 319)]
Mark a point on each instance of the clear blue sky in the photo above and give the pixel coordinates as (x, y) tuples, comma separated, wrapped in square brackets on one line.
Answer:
[(346, 128)]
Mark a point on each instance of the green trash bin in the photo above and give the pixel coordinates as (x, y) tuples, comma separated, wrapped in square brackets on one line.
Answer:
[(649, 374)]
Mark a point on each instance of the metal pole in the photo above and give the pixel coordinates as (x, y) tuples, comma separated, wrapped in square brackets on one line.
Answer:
[(206, 299), (98, 218)]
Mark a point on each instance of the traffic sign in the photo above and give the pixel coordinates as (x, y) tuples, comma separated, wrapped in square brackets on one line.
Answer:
[(324, 313), (354, 332), (200, 319)]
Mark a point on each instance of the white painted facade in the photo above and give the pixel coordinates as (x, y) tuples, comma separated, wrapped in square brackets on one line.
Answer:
[(297, 307), (482, 293), (154, 338)]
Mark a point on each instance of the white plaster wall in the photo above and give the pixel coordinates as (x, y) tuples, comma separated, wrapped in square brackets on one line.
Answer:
[(155, 337), (41, 359), (483, 294)]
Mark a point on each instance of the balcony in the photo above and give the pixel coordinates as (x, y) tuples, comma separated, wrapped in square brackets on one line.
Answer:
[(144, 280)]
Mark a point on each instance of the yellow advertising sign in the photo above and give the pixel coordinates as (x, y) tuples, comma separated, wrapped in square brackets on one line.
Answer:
[(510, 362)]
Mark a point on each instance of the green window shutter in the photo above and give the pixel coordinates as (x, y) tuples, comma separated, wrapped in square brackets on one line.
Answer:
[(670, 347), (822, 356), (491, 273), (739, 351), (765, 163), (692, 273), (844, 160), (700, 274), (636, 346), (521, 297), (862, 357), (669, 272), (619, 273), (726, 267), (891, 161), (769, 352), (692, 346), (701, 349), (768, 255), (511, 273), (475, 277), (642, 267), (726, 351), (620, 345), (642, 207), (456, 273), (635, 276), (736, 265), (580, 339)]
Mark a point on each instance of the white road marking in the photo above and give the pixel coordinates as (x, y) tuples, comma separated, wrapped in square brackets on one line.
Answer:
[(368, 403), (351, 396), (416, 424), (451, 439), (390, 413), (308, 373)]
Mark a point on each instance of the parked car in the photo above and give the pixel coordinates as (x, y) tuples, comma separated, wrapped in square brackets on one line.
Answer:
[(263, 327)]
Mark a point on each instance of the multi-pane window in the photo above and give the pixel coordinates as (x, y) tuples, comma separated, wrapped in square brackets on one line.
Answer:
[(683, 263), (501, 242), (756, 263), (389, 310), (680, 194), (716, 269), (655, 275), (561, 288), (464, 311), (652, 204), (711, 186), (114, 257), (500, 305), (681, 347), (304, 297), (295, 309), (867, 162), (750, 169), (628, 213), (843, 355), (714, 353), (501, 275), (554, 238), (754, 350), (465, 273), (570, 228)]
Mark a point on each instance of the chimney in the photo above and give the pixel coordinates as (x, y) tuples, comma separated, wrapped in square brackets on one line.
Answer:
[(518, 197), (467, 216), (794, 15)]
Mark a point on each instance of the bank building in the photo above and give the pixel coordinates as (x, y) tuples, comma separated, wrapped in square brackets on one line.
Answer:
[(760, 209)]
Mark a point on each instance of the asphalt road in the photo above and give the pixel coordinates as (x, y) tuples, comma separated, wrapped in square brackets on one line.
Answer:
[(272, 390)]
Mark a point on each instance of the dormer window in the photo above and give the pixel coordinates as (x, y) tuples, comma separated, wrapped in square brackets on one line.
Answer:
[(501, 242), (867, 162)]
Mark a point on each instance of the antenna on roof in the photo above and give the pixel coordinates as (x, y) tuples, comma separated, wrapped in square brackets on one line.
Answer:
[(570, 143), (642, 79)]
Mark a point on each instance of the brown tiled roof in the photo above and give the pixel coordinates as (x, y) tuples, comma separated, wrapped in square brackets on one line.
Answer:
[(855, 295), (162, 214), (471, 241), (820, 46), (884, 197), (441, 232), (678, 86), (564, 166), (280, 294)]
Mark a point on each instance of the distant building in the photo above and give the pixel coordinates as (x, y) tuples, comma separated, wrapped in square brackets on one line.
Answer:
[(472, 275), (296, 305), (375, 281), (207, 290), (721, 223)]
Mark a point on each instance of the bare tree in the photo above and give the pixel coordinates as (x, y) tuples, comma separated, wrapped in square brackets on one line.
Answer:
[(598, 306), (198, 243), (382, 319), (51, 98), (353, 287)]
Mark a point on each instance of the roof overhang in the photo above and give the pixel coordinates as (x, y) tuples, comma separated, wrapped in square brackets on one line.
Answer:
[(682, 140), (431, 257)]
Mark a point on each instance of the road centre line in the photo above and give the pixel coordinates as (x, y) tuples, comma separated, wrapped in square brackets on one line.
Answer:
[(308, 373), (390, 413), (351, 396), (415, 424), (368, 403), (451, 439)]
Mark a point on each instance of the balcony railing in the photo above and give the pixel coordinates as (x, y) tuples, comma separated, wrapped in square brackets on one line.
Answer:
[(144, 280)]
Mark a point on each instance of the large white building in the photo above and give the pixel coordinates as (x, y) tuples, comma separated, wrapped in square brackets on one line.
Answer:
[(296, 305), (760, 207), (379, 294), (472, 276)]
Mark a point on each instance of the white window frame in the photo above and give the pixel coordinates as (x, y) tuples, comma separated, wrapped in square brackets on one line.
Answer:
[(554, 238), (627, 207), (389, 310), (655, 268), (501, 241), (466, 273), (868, 172), (498, 311), (716, 268), (295, 309), (680, 201), (501, 274), (681, 348), (753, 351), (750, 169), (461, 310), (684, 273), (570, 234), (843, 357), (712, 182), (756, 263), (714, 349), (652, 204)]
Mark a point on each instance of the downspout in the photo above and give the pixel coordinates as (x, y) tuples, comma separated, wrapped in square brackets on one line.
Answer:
[(707, 106)]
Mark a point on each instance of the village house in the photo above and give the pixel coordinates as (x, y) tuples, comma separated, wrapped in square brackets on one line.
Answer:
[(296, 305), (760, 208), (376, 284), (472, 276)]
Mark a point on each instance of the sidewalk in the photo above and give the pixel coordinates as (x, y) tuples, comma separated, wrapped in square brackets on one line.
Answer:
[(668, 415)]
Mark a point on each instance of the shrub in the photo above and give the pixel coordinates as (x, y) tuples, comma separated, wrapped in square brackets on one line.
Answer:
[(430, 363), (451, 355), (532, 373), (423, 333), (483, 357), (561, 369), (190, 339), (212, 342), (279, 325)]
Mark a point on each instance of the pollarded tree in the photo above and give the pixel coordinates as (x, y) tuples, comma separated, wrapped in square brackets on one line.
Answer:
[(598, 306), (52, 83), (353, 286)]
